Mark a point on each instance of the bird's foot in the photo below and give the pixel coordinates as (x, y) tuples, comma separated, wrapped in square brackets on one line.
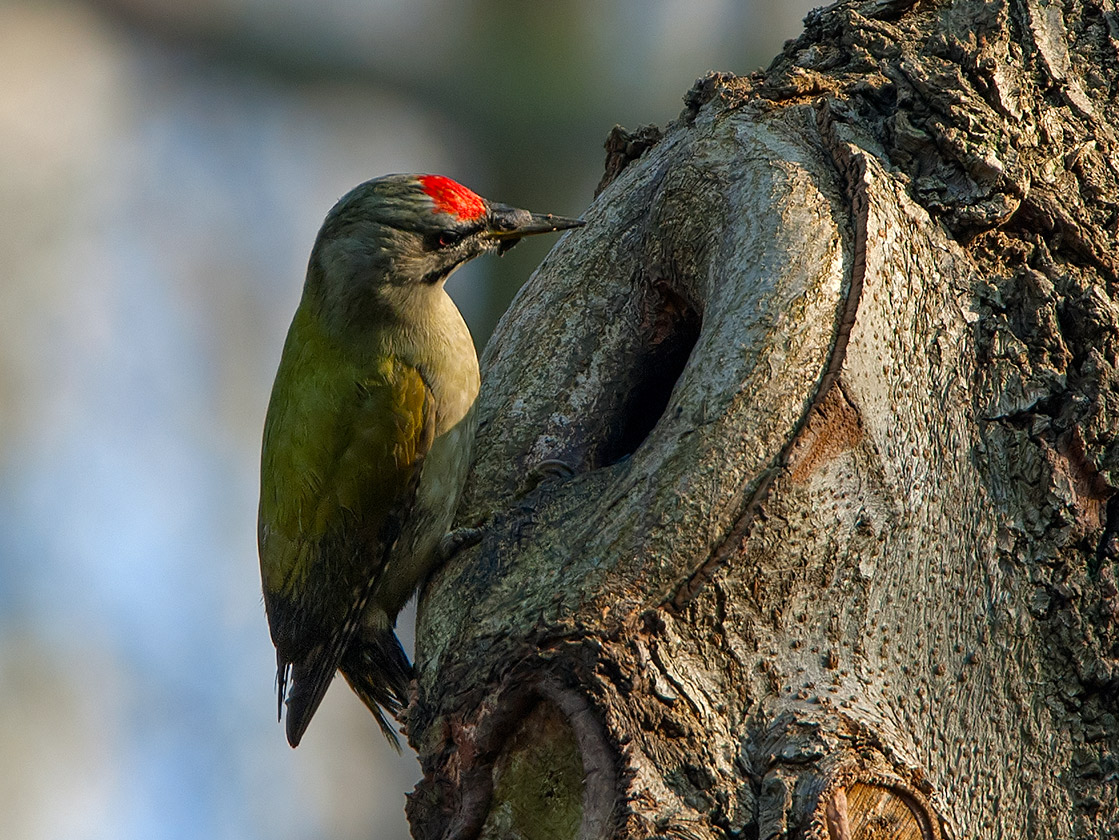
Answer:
[(459, 539), (547, 469)]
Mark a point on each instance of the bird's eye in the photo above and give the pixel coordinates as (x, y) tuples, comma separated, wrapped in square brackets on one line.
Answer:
[(449, 239)]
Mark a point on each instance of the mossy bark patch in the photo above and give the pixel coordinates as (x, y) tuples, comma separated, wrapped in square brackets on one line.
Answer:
[(538, 781)]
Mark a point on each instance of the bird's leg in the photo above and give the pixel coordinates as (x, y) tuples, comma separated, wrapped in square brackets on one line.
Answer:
[(461, 538)]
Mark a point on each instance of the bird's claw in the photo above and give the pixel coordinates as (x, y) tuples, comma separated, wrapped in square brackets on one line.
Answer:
[(459, 539), (547, 469), (554, 468)]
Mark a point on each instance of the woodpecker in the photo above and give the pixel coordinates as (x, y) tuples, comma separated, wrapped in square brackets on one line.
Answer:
[(368, 433)]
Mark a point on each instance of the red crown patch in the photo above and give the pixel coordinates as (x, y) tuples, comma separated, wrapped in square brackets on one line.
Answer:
[(452, 198)]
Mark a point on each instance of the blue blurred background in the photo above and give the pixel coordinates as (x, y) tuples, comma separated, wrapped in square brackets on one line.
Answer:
[(164, 167)]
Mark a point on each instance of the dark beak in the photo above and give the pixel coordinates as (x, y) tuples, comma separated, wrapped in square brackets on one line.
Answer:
[(509, 225)]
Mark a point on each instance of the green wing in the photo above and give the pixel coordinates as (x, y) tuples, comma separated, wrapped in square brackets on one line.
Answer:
[(343, 442)]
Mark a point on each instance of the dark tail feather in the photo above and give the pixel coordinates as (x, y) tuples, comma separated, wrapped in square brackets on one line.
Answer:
[(309, 681), (378, 671)]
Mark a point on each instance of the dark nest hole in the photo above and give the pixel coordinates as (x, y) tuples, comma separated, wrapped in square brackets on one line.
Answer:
[(669, 329)]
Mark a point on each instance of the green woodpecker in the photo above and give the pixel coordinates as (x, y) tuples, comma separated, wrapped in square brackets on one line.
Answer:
[(368, 433)]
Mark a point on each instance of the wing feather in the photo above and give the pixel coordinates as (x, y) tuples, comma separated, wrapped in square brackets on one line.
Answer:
[(343, 446)]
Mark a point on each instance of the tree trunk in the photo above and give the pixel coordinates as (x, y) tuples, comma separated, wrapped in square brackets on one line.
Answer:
[(834, 366)]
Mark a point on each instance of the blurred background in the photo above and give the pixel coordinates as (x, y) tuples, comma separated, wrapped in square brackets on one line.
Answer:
[(164, 167)]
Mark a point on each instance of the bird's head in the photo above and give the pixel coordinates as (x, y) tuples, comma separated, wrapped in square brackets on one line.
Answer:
[(401, 234)]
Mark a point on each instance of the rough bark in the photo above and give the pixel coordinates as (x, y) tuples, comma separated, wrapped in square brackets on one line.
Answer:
[(834, 366)]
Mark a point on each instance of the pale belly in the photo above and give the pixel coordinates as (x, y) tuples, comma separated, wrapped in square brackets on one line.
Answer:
[(444, 352), (416, 551)]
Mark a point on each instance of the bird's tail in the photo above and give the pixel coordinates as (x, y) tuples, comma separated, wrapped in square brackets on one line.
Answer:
[(377, 669), (309, 678)]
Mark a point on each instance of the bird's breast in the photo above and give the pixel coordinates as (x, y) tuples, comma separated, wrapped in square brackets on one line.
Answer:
[(439, 344)]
